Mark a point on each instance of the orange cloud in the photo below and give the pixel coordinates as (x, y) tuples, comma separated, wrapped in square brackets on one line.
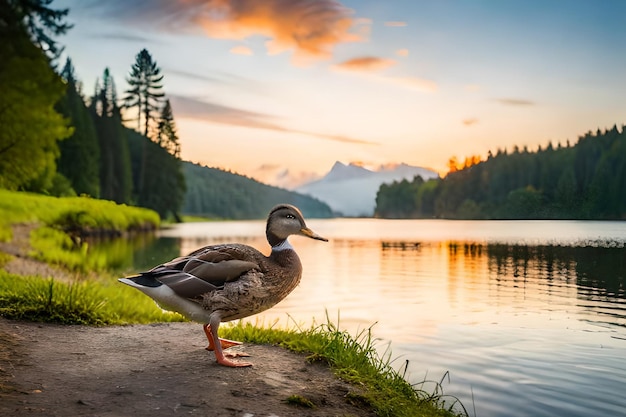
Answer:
[(396, 24), (470, 122), (402, 52), (277, 175), (365, 63), (241, 50), (368, 66), (308, 28), (192, 108)]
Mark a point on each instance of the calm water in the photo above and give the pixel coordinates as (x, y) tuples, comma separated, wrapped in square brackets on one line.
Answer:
[(528, 318)]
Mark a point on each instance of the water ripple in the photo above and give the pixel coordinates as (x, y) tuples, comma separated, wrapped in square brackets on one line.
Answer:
[(528, 318)]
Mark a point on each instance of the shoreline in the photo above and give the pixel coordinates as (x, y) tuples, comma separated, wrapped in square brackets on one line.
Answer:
[(148, 370), (77, 367)]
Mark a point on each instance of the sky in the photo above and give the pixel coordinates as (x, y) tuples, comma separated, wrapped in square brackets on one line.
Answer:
[(281, 89)]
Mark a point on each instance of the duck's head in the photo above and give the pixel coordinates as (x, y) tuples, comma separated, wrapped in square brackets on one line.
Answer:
[(285, 220)]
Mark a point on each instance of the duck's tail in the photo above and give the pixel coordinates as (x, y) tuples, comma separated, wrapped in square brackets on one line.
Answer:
[(166, 298), (141, 281)]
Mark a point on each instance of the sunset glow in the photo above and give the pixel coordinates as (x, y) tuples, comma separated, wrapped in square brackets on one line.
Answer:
[(296, 85)]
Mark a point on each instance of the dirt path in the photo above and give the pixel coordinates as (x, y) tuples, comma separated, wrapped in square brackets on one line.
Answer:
[(153, 370), (22, 264)]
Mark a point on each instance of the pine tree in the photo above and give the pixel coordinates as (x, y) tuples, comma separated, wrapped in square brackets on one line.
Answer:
[(145, 93), (115, 168), (162, 187), (106, 96), (167, 136), (41, 22), (80, 154)]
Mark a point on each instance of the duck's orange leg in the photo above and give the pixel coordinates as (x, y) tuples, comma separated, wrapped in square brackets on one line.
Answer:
[(225, 343), (211, 332)]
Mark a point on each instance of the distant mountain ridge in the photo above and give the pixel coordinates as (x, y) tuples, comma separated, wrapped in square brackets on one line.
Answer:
[(350, 190), (212, 192), (342, 172)]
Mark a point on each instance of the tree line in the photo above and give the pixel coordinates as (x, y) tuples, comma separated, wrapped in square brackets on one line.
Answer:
[(584, 181), (216, 193), (55, 140)]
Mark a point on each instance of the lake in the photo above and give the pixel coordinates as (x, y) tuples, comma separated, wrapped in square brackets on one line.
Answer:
[(523, 318)]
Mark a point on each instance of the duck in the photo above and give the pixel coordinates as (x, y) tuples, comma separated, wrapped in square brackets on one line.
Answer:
[(225, 282)]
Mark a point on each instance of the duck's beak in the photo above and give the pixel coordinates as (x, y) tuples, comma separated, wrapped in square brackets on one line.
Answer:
[(305, 231)]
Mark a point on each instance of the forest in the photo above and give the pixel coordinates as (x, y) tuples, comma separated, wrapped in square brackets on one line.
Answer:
[(584, 181), (216, 193), (56, 140)]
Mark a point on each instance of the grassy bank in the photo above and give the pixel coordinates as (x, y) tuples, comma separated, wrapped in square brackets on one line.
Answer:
[(106, 302), (93, 302), (356, 360), (57, 239), (62, 224)]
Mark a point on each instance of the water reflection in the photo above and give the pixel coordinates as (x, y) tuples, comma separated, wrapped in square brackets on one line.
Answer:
[(536, 329), (526, 316), (593, 279), (602, 268), (132, 254), (154, 251), (589, 279)]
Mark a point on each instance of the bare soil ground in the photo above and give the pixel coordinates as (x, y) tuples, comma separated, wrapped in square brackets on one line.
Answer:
[(21, 263), (149, 370), (154, 370)]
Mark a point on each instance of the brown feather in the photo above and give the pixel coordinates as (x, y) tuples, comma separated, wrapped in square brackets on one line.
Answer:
[(220, 272), (186, 285)]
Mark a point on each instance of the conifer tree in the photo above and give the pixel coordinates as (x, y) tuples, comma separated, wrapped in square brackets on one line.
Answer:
[(41, 22), (584, 181), (115, 169), (167, 136), (162, 187), (80, 154), (145, 90)]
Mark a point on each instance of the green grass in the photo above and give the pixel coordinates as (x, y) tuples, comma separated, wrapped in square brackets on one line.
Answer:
[(4, 259), (93, 302), (104, 301), (299, 401), (61, 221), (69, 212), (356, 360), (196, 219)]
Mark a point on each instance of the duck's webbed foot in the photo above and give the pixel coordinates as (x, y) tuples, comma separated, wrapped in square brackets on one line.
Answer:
[(236, 355), (221, 357), (232, 364), (224, 343)]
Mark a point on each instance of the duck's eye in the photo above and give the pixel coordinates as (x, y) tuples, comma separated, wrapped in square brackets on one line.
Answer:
[(290, 216)]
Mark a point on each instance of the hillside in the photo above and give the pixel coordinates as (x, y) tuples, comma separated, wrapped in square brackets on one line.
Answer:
[(212, 192), (584, 181)]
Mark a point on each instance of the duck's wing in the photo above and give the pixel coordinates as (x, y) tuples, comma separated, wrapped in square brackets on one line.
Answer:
[(202, 271)]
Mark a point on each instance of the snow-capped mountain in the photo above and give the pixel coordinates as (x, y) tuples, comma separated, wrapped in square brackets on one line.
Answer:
[(351, 189)]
